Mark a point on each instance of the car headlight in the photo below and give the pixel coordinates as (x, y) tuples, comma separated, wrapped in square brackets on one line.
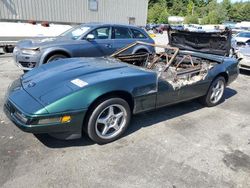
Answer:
[(20, 116), (29, 51), (240, 55), (63, 119), (16, 49)]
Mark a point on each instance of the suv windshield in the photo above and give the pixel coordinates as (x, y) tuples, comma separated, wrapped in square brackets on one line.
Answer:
[(76, 32), (245, 35)]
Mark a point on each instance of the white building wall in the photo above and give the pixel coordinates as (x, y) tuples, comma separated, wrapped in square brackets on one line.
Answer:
[(75, 11)]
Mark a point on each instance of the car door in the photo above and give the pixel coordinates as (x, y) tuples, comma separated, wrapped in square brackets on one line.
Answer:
[(139, 36), (122, 37), (143, 37), (194, 90), (170, 92), (100, 45), (166, 94)]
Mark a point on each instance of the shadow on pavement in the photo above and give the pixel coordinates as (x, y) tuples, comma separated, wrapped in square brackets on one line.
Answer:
[(139, 121), (167, 113), (229, 93), (51, 142)]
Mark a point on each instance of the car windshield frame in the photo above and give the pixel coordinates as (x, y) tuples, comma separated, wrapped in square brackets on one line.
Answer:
[(76, 33)]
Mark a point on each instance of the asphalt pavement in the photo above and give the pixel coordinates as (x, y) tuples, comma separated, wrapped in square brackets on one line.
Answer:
[(185, 145)]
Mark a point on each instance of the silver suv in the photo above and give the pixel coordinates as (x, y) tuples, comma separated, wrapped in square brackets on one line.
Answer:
[(86, 40)]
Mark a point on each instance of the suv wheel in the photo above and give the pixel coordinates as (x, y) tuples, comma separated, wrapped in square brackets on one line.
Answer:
[(55, 57)]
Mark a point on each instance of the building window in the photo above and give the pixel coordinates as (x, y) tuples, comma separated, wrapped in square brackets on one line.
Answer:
[(93, 5), (131, 20)]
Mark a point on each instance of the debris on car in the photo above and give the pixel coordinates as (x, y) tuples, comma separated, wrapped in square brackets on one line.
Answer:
[(179, 69)]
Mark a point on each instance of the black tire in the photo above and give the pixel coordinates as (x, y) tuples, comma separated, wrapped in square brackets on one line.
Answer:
[(141, 51), (55, 57), (233, 51), (208, 100), (8, 49), (25, 71), (94, 128), (143, 61)]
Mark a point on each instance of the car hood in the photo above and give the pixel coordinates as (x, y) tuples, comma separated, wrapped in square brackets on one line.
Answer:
[(241, 39), (245, 51), (40, 42), (56, 80), (217, 43)]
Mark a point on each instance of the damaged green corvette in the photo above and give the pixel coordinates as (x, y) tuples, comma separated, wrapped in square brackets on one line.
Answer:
[(99, 95)]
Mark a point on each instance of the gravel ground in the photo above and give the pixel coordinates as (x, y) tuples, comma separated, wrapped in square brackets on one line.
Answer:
[(185, 145)]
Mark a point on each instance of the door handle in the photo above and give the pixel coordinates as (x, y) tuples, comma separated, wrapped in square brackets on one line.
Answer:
[(108, 45)]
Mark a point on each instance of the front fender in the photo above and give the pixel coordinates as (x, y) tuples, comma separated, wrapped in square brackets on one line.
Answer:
[(137, 87), (52, 50)]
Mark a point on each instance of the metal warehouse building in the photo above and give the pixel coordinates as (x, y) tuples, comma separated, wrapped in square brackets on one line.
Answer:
[(75, 11)]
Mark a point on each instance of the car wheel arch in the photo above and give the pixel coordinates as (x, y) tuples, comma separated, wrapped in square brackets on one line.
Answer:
[(224, 75), (141, 49), (50, 54), (206, 99), (113, 94)]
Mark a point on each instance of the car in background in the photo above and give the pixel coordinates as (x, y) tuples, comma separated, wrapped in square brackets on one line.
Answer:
[(177, 27), (156, 28), (243, 55), (161, 28), (151, 26), (240, 40), (194, 27), (86, 40)]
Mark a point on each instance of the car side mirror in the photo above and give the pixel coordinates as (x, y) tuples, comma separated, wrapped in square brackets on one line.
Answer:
[(90, 37)]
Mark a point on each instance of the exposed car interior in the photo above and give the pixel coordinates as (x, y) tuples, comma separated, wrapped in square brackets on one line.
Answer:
[(171, 65)]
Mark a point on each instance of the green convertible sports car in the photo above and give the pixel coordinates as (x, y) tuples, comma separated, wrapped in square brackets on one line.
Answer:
[(99, 95)]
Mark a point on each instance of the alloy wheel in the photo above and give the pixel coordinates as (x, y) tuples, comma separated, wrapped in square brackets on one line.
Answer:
[(110, 121), (217, 91)]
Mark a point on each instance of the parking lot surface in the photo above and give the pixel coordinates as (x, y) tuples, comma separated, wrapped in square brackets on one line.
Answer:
[(185, 145)]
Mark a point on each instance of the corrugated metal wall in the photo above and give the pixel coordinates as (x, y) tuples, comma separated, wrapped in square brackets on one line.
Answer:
[(74, 11)]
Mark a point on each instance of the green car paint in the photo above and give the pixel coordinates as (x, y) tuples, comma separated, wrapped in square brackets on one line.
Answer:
[(50, 91)]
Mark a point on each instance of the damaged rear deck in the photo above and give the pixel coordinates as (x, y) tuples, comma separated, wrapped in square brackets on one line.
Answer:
[(171, 65)]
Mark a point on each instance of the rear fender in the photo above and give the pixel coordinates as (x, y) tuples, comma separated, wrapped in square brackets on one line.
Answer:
[(140, 48)]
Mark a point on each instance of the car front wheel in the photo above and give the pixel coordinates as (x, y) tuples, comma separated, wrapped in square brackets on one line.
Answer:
[(215, 92), (108, 120), (55, 57)]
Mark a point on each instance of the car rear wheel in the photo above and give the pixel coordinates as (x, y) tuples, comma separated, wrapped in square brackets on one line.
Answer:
[(141, 51), (215, 92), (143, 60), (108, 120), (55, 57)]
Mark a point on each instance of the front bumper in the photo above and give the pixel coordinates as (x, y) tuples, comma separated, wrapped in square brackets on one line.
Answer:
[(244, 64), (72, 127), (25, 62)]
